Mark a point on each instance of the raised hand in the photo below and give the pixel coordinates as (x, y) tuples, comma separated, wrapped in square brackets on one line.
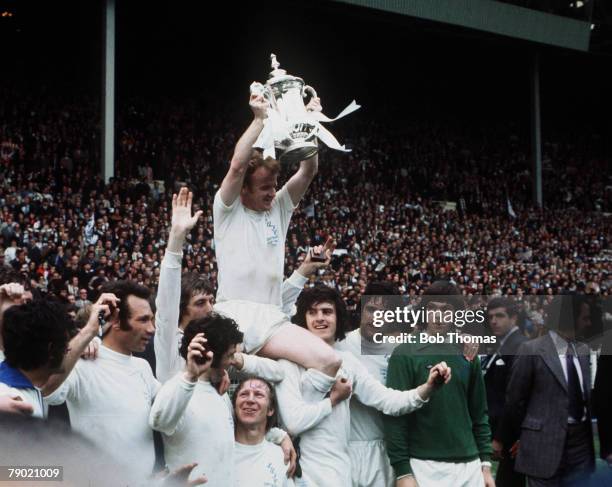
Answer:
[(182, 219), (309, 266), (10, 295), (259, 105), (105, 306), (314, 105), (198, 359)]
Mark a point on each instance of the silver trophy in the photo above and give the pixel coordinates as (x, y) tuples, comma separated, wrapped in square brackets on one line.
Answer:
[(291, 130)]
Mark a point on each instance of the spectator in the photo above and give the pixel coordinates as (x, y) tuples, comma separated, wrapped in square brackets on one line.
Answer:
[(83, 300), (502, 318), (548, 404)]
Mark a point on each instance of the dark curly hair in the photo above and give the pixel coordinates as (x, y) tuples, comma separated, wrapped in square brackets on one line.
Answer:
[(272, 421), (124, 289), (220, 332), (193, 283), (322, 294), (36, 334)]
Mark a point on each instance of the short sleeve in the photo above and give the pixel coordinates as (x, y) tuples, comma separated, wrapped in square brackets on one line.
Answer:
[(284, 200), (285, 208), (221, 213), (68, 390)]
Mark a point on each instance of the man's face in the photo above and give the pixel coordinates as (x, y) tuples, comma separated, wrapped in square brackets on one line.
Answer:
[(200, 305), (500, 322), (259, 194), (141, 322), (226, 358), (436, 312), (253, 404), (321, 320), (367, 316)]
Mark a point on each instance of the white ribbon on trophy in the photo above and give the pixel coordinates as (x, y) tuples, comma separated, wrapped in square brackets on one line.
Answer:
[(290, 130)]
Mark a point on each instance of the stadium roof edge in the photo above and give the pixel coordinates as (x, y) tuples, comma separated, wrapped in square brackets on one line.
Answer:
[(493, 17)]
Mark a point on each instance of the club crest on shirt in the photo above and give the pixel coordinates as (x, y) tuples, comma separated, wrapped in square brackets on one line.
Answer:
[(272, 233), (274, 480)]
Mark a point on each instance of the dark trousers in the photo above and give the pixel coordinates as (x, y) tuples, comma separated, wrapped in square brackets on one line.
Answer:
[(576, 463), (506, 476)]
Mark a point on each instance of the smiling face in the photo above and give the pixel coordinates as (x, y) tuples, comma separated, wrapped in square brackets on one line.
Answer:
[(321, 320), (258, 193), (253, 403)]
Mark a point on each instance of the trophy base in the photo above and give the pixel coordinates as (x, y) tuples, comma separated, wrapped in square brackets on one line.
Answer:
[(299, 152)]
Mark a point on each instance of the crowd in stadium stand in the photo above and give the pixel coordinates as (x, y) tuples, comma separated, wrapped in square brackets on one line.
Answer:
[(407, 205), (434, 210)]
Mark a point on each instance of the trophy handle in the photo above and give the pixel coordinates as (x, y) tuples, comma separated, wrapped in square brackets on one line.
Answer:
[(309, 89)]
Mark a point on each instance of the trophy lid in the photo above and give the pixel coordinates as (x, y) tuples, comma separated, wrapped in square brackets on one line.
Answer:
[(278, 75), (276, 71)]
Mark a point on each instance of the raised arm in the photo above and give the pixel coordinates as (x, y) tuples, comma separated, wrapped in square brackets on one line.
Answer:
[(232, 183), (299, 182), (168, 298), (294, 284), (173, 398), (81, 340)]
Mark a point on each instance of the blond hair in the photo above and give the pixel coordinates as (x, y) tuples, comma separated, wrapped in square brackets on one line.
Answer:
[(257, 160)]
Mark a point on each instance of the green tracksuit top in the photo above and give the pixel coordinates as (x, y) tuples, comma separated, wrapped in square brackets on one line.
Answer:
[(453, 426)]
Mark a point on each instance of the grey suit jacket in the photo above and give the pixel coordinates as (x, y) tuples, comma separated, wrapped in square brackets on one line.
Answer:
[(537, 405)]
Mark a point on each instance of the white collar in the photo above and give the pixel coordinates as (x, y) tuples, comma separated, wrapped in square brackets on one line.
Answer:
[(110, 354)]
